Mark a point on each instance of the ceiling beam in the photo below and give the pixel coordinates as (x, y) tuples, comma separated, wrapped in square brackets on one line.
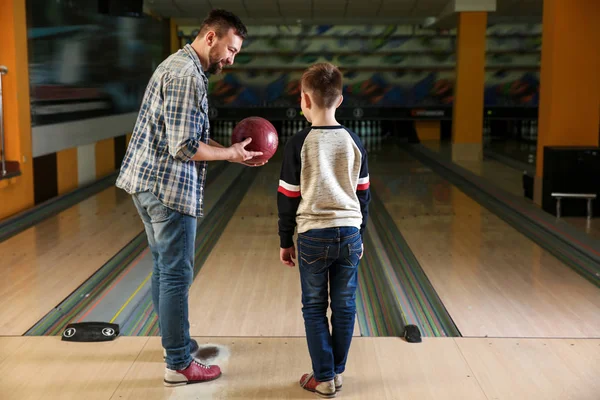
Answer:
[(316, 21), (448, 18)]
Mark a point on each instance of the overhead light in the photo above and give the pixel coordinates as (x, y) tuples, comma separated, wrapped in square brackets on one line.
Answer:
[(429, 21)]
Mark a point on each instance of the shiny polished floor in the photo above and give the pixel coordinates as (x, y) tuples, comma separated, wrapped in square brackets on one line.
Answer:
[(269, 368), (510, 179), (45, 263), (494, 281), (530, 324)]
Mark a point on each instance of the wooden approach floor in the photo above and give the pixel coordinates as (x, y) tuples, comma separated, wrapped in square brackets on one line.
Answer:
[(268, 368)]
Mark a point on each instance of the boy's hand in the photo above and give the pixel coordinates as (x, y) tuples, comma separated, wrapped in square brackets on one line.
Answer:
[(286, 256)]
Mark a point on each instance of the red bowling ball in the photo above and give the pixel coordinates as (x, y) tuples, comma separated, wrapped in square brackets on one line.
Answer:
[(263, 134)]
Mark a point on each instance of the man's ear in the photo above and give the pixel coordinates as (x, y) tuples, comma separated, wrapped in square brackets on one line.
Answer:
[(210, 38)]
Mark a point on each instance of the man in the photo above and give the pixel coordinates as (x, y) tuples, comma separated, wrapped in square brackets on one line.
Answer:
[(164, 170)]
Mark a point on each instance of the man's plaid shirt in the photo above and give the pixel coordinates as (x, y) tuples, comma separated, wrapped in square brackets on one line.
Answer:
[(172, 121)]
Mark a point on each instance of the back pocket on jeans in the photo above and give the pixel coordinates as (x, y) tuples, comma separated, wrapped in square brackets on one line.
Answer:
[(354, 250), (313, 258)]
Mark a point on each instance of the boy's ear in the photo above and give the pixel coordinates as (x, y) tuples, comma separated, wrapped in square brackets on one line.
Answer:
[(307, 100), (340, 100)]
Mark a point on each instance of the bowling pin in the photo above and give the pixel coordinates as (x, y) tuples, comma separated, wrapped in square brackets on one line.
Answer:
[(524, 130), (282, 133), (486, 132), (515, 130)]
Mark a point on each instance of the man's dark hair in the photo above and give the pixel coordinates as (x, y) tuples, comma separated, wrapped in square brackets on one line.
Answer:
[(221, 21)]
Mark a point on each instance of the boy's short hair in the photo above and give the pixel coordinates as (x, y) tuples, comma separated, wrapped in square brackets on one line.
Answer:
[(325, 82), (221, 21)]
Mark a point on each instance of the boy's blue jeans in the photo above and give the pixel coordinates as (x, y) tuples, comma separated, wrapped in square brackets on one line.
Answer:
[(171, 238), (328, 261)]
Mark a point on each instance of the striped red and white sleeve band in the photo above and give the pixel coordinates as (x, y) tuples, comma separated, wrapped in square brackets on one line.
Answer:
[(288, 190), (363, 183)]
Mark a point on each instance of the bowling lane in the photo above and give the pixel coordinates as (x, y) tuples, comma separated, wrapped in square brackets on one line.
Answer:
[(45, 263), (493, 280), (242, 288), (510, 179), (591, 227), (502, 175)]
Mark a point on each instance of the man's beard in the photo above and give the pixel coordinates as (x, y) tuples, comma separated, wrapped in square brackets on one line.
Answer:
[(213, 67)]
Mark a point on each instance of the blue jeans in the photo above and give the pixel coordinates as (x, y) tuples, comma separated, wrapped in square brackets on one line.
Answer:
[(171, 238), (328, 261)]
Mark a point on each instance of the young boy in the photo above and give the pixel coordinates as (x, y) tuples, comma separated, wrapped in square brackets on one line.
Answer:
[(324, 192)]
